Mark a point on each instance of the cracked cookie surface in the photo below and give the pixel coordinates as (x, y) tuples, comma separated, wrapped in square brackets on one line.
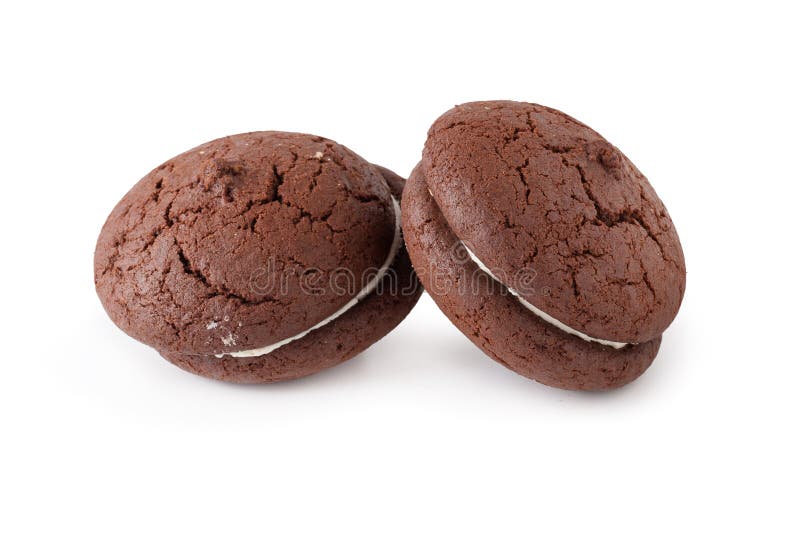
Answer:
[(242, 242), (334, 343), (560, 215)]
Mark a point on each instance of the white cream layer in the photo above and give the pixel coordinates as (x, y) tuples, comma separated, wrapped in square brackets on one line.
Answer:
[(365, 291), (539, 313)]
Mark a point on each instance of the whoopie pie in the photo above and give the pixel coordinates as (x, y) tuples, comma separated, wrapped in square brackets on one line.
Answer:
[(258, 257), (543, 244)]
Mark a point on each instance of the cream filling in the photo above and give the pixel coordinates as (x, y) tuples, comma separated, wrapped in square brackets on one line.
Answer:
[(536, 311), (365, 291), (539, 313)]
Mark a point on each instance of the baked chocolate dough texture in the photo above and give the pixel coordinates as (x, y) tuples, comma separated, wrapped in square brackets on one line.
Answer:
[(258, 257), (543, 244)]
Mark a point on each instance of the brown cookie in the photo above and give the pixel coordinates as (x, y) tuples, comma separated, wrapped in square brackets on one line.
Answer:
[(530, 188), (257, 257), (556, 218), (495, 320)]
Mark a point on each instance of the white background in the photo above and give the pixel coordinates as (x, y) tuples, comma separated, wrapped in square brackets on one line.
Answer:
[(422, 432)]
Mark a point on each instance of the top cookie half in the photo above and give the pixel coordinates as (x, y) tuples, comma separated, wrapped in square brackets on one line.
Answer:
[(253, 229), (558, 214)]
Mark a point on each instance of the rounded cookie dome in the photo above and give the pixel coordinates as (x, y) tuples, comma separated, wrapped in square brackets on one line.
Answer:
[(242, 242), (559, 215)]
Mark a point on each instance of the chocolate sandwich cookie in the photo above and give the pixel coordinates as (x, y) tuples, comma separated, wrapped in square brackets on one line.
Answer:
[(544, 244), (258, 257)]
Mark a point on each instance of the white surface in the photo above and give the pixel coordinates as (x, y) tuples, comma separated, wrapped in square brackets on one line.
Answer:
[(422, 432)]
